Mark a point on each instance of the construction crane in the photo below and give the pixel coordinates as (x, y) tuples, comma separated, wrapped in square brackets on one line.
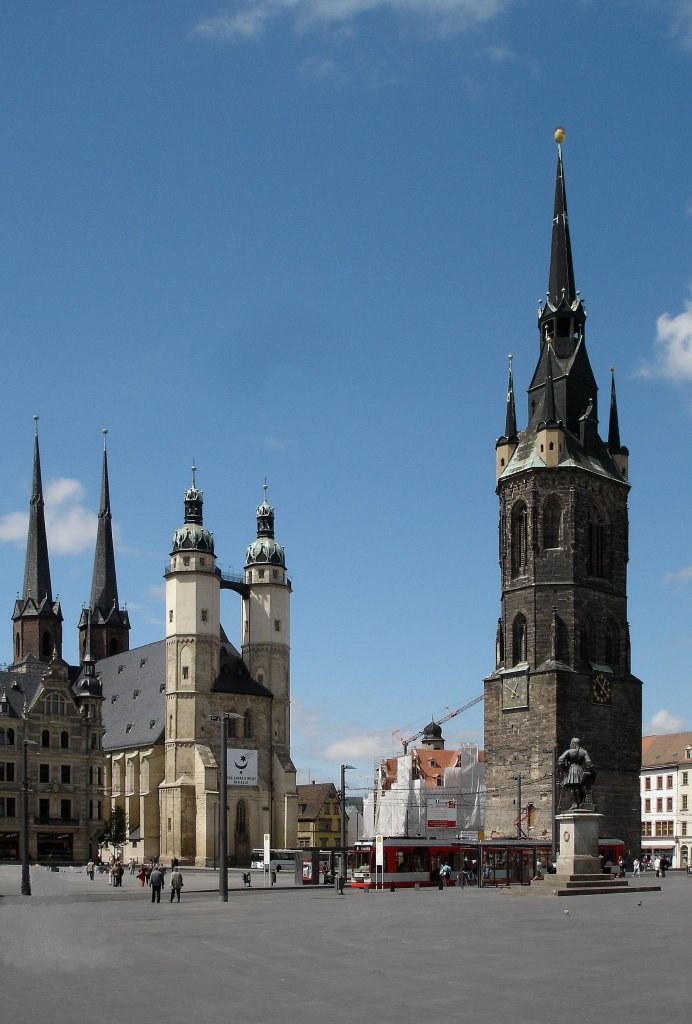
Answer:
[(445, 718)]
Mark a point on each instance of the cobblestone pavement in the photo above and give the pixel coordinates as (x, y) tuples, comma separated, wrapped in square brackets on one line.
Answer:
[(292, 955)]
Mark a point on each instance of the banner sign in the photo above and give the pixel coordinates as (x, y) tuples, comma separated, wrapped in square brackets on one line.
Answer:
[(442, 814), (379, 852), (241, 767)]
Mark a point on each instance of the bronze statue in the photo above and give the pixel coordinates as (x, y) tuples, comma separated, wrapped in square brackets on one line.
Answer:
[(579, 772)]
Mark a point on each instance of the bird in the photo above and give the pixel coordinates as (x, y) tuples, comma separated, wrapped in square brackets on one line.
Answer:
[(566, 911), (640, 903)]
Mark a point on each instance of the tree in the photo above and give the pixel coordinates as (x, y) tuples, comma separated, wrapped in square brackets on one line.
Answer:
[(115, 832)]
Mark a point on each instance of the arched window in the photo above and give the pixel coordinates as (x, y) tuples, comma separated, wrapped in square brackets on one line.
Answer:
[(93, 743), (519, 538), (562, 652), (10, 737), (55, 705), (531, 815), (45, 739), (46, 645), (612, 645), (552, 517), (586, 645), (232, 726), (64, 740), (596, 544), (113, 646), (2, 737), (248, 725), (241, 818), (519, 647), (17, 647)]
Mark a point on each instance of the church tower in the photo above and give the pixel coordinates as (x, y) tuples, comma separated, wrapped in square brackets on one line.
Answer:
[(266, 622), (109, 624), (37, 618), (562, 646), (192, 667)]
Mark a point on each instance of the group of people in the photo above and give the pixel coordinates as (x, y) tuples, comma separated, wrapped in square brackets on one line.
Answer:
[(152, 874)]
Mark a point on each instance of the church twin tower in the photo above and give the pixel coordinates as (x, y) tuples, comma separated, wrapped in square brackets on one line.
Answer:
[(562, 645), (161, 743)]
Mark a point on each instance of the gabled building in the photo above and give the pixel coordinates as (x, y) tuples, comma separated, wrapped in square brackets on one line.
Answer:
[(56, 709), (666, 797), (319, 815)]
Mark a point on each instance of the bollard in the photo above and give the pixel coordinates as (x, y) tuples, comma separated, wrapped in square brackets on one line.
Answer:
[(416, 886), (440, 882), (273, 877), (392, 887)]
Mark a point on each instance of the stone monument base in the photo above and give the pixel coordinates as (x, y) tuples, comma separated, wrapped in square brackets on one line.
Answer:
[(578, 831)]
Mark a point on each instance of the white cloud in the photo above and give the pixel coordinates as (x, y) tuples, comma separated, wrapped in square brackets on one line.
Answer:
[(157, 591), (663, 722), (70, 526), (357, 747), (249, 19), (13, 527), (275, 444), (680, 576), (673, 355)]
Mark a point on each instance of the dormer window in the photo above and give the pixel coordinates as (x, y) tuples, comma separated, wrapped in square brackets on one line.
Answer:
[(135, 694), (128, 727), (4, 707), (688, 753)]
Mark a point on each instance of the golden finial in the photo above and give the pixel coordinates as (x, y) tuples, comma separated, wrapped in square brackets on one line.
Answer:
[(612, 369), (559, 135), (510, 357)]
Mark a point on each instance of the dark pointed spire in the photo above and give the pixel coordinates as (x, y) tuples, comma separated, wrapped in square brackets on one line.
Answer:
[(548, 413), (561, 276), (511, 415), (37, 569), (104, 587), (613, 425)]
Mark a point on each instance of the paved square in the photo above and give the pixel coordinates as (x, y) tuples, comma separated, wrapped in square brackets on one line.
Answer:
[(78, 950)]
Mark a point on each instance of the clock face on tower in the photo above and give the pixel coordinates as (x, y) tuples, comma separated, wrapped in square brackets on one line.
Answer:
[(600, 689), (515, 692)]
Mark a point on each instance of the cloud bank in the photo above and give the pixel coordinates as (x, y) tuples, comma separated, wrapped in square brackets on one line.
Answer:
[(248, 20), (663, 722)]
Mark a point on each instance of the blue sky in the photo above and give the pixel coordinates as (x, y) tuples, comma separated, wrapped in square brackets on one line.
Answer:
[(298, 238)]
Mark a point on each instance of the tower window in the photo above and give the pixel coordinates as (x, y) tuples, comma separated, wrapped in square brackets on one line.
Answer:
[(186, 560), (260, 574), (205, 615), (519, 646), (170, 614), (596, 540), (519, 538), (186, 671), (277, 625), (552, 515), (64, 740)]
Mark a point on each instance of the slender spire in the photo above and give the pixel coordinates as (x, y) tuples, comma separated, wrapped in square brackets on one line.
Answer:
[(104, 587), (37, 569), (511, 417), (561, 276), (613, 425)]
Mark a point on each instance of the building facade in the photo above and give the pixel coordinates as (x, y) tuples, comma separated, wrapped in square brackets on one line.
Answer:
[(666, 797), (56, 709), (319, 815), (562, 645)]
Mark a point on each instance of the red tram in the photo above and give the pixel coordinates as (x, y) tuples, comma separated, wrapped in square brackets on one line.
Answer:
[(408, 861)]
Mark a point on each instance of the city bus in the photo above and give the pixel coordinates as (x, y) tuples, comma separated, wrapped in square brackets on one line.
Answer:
[(279, 860)]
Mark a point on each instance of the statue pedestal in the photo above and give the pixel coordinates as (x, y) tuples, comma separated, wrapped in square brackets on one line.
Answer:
[(578, 832)]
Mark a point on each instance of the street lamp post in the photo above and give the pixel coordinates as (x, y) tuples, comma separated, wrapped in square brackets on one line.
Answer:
[(344, 769), (223, 802), (26, 879)]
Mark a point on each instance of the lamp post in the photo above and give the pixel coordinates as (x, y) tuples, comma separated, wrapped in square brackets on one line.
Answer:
[(223, 802), (26, 879), (344, 768)]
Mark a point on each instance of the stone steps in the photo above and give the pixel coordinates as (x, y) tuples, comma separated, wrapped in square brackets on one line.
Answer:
[(587, 885)]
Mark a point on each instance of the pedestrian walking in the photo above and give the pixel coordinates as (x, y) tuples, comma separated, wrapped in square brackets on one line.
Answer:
[(90, 870), (156, 883), (657, 867), (636, 868), (176, 883), (142, 876)]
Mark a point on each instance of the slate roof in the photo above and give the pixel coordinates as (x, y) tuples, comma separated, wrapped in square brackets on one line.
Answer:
[(18, 687), (134, 685)]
